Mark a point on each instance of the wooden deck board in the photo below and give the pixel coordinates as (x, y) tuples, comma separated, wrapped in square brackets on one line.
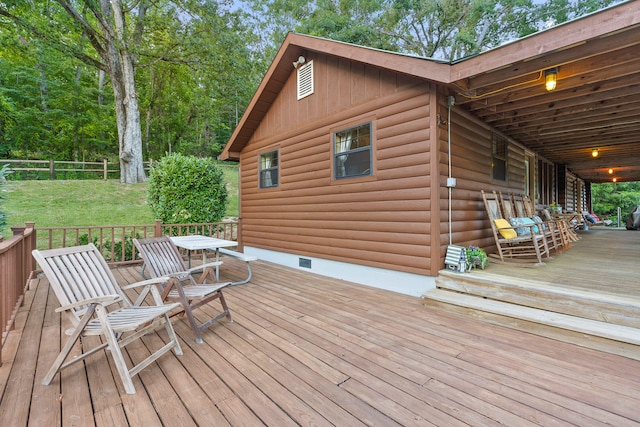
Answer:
[(310, 350)]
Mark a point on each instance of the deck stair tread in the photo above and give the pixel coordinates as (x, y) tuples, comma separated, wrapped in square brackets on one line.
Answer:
[(550, 318), (599, 306)]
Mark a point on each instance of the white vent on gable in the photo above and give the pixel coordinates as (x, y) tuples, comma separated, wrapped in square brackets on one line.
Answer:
[(305, 80)]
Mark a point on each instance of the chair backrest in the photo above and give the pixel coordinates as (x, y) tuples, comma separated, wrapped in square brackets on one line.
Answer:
[(492, 205), (76, 274), (507, 207), (529, 206), (161, 256), (519, 204)]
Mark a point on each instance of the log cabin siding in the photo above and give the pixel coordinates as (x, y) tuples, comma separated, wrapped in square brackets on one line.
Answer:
[(388, 220), (380, 221), (471, 165)]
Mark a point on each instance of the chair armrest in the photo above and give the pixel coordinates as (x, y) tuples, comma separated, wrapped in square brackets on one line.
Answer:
[(148, 282), (108, 299)]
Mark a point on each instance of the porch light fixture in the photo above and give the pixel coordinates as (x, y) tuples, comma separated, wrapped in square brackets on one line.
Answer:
[(594, 152), (610, 171), (550, 78)]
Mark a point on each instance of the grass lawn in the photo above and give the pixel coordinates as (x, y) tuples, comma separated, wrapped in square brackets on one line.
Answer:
[(87, 202)]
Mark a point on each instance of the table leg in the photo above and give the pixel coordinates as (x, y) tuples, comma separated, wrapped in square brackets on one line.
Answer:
[(217, 266)]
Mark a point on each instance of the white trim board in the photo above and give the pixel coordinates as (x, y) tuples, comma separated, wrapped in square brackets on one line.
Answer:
[(391, 280)]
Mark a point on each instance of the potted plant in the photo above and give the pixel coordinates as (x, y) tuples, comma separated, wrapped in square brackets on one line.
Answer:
[(476, 257), (555, 208)]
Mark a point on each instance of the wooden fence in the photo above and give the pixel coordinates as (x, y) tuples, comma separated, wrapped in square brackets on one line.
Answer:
[(41, 168), (114, 241), (52, 168)]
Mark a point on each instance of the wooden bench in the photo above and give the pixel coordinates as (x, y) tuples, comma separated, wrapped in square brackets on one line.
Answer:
[(240, 256)]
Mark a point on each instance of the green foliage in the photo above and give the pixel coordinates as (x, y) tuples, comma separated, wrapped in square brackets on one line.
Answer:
[(476, 257), (187, 189), (197, 68), (4, 171), (110, 250), (607, 197)]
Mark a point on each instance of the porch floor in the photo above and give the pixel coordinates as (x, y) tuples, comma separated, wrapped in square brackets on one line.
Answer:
[(587, 295), (604, 260), (310, 350)]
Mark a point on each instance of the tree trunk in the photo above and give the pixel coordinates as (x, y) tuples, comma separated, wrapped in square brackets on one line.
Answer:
[(122, 72)]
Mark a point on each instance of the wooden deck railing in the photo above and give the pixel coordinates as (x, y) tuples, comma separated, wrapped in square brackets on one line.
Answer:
[(16, 265), (114, 241)]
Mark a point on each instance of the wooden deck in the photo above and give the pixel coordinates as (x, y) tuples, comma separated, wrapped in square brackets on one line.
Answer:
[(309, 350), (588, 295), (604, 260)]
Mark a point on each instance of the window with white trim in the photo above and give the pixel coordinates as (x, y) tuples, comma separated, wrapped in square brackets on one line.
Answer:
[(352, 152), (269, 169)]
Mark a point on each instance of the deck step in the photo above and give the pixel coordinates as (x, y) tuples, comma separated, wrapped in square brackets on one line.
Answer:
[(558, 320), (620, 310)]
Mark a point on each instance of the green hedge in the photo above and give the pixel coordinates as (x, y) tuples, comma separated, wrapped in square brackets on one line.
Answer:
[(187, 189)]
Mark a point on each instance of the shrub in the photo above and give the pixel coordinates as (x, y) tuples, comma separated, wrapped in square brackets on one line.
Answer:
[(187, 189), (112, 251)]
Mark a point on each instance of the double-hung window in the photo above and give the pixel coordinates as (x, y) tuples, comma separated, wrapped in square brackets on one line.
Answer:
[(499, 154), (352, 152), (269, 169)]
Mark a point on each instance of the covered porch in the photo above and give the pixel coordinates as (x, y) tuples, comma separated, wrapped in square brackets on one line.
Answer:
[(310, 350)]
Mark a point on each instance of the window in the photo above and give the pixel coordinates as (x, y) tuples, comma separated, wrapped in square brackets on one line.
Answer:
[(269, 169), (352, 152), (305, 80), (499, 158)]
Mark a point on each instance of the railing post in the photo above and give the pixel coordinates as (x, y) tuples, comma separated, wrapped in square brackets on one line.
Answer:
[(52, 172), (105, 168), (157, 230), (18, 230)]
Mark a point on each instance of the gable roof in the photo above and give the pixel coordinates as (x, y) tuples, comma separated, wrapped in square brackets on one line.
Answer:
[(595, 105)]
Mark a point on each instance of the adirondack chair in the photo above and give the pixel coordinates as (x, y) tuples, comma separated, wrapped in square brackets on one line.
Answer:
[(96, 305), (523, 209), (162, 258), (524, 250)]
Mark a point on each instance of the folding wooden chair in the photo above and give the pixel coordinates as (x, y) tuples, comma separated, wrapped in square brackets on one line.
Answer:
[(162, 258), (87, 289)]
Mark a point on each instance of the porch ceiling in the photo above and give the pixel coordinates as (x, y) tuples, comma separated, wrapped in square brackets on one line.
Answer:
[(596, 104)]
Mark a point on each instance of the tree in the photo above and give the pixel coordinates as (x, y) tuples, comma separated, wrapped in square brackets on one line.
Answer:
[(443, 29), (184, 63), (607, 197), (451, 29), (103, 25)]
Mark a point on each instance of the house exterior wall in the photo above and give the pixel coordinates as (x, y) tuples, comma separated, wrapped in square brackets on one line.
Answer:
[(382, 221), (394, 220), (471, 145)]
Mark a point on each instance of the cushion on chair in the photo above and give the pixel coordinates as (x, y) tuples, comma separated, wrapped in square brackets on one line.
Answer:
[(505, 228), (523, 231), (539, 221)]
